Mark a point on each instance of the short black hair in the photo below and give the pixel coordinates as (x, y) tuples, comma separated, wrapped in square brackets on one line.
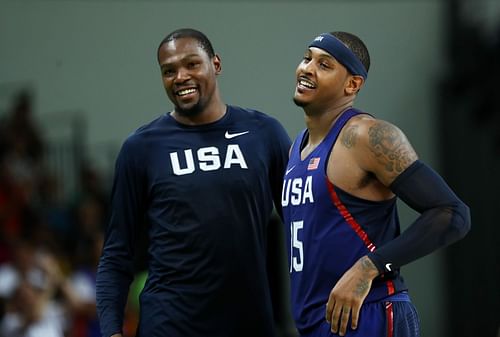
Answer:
[(202, 39), (357, 46)]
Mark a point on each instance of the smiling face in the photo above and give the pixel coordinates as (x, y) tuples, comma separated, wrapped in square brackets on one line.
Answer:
[(322, 81), (189, 75)]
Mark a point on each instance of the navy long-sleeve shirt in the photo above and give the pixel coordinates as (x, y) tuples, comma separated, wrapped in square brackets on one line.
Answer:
[(205, 196)]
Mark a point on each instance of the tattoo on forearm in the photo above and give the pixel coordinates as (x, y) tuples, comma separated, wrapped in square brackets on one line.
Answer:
[(363, 285), (361, 288), (367, 264), (349, 136), (391, 147)]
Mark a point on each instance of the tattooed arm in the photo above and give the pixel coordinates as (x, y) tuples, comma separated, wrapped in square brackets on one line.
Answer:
[(382, 149), (443, 219), (348, 294)]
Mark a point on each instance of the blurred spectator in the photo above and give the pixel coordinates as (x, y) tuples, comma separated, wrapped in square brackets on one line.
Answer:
[(92, 186), (21, 152), (49, 245), (54, 210), (20, 133), (21, 264), (31, 313), (88, 221), (82, 280), (17, 215), (28, 289)]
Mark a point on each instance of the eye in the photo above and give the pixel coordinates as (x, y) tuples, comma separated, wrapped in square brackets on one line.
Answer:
[(306, 60), (168, 72), (324, 65), (193, 65)]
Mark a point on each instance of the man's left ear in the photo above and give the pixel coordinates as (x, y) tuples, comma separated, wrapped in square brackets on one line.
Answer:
[(217, 64), (354, 84)]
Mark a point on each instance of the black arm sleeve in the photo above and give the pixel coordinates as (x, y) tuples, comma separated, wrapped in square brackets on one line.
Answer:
[(443, 219)]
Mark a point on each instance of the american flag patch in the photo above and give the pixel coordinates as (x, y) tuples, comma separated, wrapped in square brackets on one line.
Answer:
[(313, 163)]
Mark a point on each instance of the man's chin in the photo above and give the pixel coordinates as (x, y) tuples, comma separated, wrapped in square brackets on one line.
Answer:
[(299, 102), (189, 111)]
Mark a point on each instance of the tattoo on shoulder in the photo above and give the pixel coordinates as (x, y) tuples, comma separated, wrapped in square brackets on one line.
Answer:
[(349, 136), (391, 147)]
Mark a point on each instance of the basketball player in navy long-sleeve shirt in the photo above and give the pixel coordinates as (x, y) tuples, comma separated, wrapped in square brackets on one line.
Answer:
[(202, 179), (339, 204)]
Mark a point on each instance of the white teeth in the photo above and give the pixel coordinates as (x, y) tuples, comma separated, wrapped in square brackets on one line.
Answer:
[(307, 84), (185, 92)]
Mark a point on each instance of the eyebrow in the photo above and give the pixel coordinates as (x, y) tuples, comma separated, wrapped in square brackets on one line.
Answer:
[(321, 53), (184, 58)]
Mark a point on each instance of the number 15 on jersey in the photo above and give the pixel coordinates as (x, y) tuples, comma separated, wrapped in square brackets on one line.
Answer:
[(296, 247)]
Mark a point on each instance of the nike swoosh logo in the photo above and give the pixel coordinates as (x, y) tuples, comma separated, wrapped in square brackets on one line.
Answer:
[(388, 266), (289, 170), (232, 135)]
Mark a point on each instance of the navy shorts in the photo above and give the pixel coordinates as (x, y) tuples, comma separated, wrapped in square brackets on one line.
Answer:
[(395, 316)]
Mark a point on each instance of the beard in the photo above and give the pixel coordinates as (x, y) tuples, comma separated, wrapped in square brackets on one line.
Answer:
[(191, 111)]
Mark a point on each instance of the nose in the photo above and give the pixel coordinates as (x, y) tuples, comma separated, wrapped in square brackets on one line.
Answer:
[(305, 68), (182, 75), (309, 67)]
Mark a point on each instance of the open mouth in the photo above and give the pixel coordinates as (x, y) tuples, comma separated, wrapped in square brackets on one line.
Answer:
[(185, 92), (304, 82)]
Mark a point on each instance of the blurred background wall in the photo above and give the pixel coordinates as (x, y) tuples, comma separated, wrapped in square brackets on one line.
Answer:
[(90, 70)]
